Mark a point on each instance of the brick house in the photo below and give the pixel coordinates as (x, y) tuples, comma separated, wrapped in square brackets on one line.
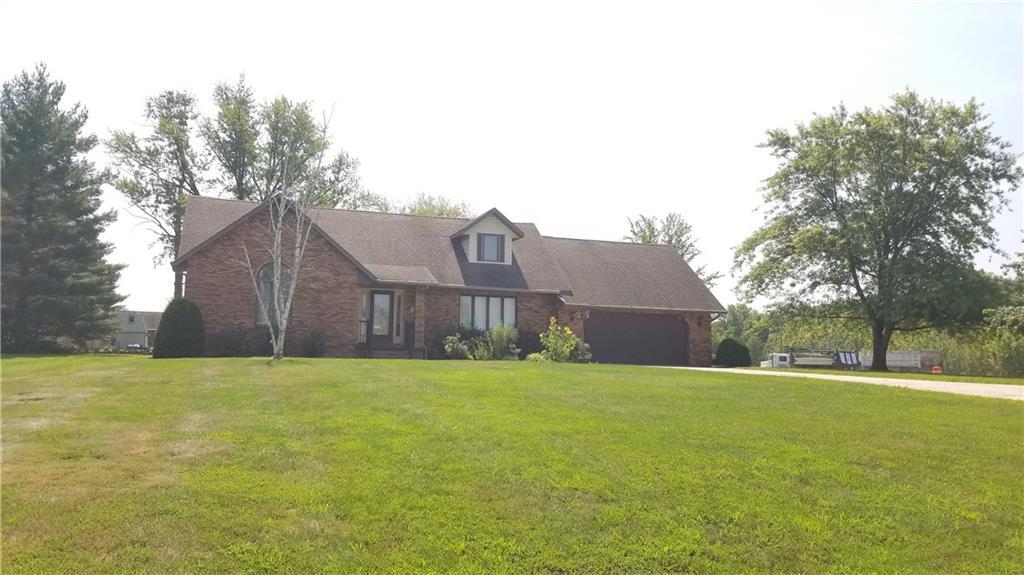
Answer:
[(385, 285)]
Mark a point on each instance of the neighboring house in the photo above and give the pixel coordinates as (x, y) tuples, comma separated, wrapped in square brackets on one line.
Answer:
[(375, 284), (136, 328)]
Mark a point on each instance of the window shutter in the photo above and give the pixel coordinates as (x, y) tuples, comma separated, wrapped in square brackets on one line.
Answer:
[(501, 248), (479, 247)]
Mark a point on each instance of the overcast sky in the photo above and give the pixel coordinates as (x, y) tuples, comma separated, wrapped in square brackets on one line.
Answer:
[(574, 116)]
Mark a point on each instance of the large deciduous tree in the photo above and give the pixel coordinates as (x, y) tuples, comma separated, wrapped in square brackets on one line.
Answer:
[(255, 144), (56, 282), (435, 206), (672, 230), (877, 215), (232, 138), (161, 168)]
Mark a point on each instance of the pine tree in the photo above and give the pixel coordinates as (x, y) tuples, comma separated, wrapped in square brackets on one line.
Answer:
[(57, 289)]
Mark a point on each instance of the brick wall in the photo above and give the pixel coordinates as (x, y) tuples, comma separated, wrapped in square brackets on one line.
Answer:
[(534, 311), (699, 327), (442, 310), (326, 299), (575, 318)]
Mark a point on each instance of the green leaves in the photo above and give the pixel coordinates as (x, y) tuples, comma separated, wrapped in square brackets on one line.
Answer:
[(562, 345), (885, 207), (436, 206), (264, 149), (672, 230), (231, 137), (159, 169)]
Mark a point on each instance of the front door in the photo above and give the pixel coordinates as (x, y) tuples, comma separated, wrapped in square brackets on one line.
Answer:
[(382, 309)]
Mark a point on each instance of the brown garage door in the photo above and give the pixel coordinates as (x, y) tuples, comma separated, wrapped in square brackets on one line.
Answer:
[(617, 337)]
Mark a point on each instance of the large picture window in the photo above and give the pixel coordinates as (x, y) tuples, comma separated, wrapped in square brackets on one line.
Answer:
[(484, 312)]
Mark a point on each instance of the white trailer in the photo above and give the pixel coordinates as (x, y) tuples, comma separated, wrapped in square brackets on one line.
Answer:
[(778, 360), (921, 360)]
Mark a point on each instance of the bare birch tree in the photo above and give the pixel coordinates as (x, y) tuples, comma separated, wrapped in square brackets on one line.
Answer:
[(290, 221)]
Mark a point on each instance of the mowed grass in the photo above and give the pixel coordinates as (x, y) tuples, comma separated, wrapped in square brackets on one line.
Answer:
[(905, 375), (126, 464)]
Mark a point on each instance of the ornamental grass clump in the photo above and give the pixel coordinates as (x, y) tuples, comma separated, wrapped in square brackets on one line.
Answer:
[(498, 343), (495, 344)]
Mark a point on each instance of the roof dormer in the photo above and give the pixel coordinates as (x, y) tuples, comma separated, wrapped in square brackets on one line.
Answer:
[(488, 238)]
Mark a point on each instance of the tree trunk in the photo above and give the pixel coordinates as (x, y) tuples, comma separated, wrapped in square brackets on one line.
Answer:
[(880, 336), (179, 283), (279, 345)]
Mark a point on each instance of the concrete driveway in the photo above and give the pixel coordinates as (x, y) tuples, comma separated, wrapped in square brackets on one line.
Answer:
[(996, 390)]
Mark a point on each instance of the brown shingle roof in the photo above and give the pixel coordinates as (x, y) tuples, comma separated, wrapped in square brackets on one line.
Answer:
[(416, 249), (626, 275), (206, 217)]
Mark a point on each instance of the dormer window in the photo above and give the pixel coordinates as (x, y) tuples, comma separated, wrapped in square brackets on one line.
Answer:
[(490, 247), (488, 238)]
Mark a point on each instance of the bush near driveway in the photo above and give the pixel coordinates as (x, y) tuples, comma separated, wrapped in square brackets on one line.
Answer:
[(732, 353)]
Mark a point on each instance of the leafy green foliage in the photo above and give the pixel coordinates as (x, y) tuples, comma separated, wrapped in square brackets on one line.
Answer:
[(675, 231), (745, 324), (1015, 271), (880, 213), (260, 148), (181, 332), (528, 342), (232, 137), (435, 206), (994, 347), (562, 345), (457, 348), (732, 353), (57, 289), (497, 343), (158, 170)]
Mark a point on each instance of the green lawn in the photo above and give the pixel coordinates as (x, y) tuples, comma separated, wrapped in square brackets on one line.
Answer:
[(903, 375), (126, 464)]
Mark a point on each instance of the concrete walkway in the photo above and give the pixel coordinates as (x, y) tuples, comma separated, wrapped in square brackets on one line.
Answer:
[(997, 390)]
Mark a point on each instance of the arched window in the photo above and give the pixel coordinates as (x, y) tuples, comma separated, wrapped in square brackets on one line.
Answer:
[(266, 295)]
